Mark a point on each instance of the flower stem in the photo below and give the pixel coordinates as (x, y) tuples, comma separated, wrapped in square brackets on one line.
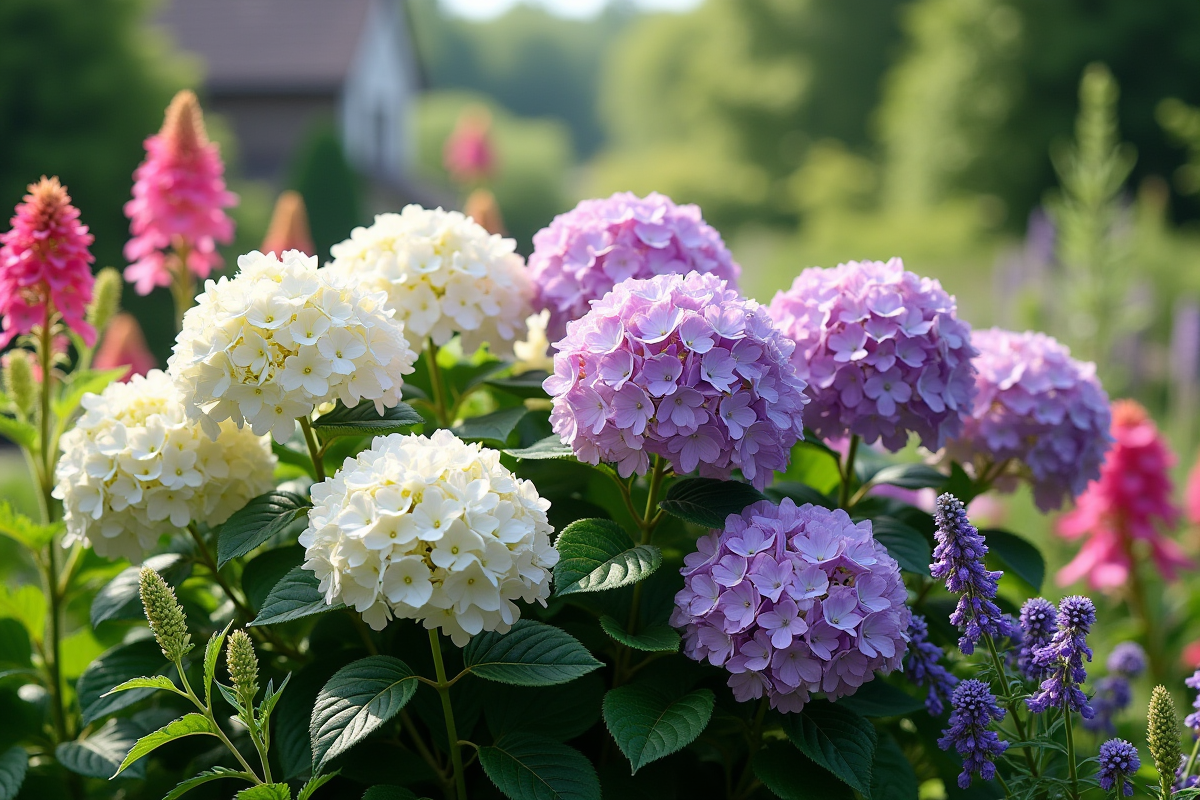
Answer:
[(207, 710), (53, 651), (647, 523), (313, 451), (1011, 703), (1191, 762), (443, 688), (848, 472), (183, 285), (1072, 774), (435, 384), (1136, 598)]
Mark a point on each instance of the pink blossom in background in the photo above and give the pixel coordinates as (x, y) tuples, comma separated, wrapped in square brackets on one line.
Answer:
[(468, 154), (44, 260), (1191, 495), (1130, 502), (124, 345), (289, 227), (179, 200)]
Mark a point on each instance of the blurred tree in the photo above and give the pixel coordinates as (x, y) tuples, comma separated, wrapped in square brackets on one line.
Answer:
[(329, 186)]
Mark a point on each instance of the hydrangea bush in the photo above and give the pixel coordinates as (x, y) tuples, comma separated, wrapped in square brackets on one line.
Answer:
[(661, 565)]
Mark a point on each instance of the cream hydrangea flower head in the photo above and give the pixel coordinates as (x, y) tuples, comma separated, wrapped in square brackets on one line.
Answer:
[(443, 274), (134, 467), (282, 337), (534, 351), (430, 528)]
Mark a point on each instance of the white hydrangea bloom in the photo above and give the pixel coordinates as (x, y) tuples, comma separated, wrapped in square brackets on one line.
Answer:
[(282, 337), (444, 273), (430, 528), (134, 467), (534, 352)]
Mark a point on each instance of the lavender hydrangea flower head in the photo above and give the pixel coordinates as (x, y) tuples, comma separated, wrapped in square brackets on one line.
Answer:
[(922, 668), (973, 709), (1064, 657), (1118, 762), (1038, 408), (882, 350), (793, 600), (958, 558), (583, 253), (680, 367), (1039, 620), (1128, 659)]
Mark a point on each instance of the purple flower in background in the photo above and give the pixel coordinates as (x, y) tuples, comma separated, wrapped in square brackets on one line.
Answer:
[(882, 350), (627, 384), (1128, 659), (972, 710), (793, 601), (1063, 658), (958, 558), (1038, 408), (922, 668), (1118, 762), (1193, 720), (1111, 695), (1039, 621), (585, 252)]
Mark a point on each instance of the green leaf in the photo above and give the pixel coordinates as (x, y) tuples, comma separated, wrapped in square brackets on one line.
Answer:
[(188, 725), (800, 494), (114, 667), (526, 385), (19, 432), (271, 698), (355, 701), (364, 420), (15, 647), (527, 767), (893, 777), (1022, 557), (903, 543), (653, 639), (597, 554), (266, 791), (26, 604), (649, 723), (266, 569), (13, 763), (155, 682), (296, 595), (531, 654), (837, 739), (100, 754), (120, 598), (708, 501), (22, 529), (286, 455), (494, 427), (258, 521), (791, 776), (388, 793), (216, 773), (910, 476), (82, 382), (879, 698), (314, 783), (563, 712), (550, 447), (212, 652), (462, 377)]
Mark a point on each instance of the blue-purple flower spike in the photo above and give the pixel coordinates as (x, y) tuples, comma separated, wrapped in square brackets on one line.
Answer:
[(1128, 659), (1039, 620), (922, 668), (1063, 657), (973, 709), (958, 559), (1118, 762), (1112, 694)]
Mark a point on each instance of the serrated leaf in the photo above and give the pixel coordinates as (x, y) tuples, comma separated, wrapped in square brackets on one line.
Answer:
[(531, 654), (526, 385), (212, 652), (270, 699), (100, 754), (364, 420), (910, 476), (838, 739), (155, 682), (800, 494), (296, 595), (494, 427), (82, 382), (119, 599), (791, 776), (22, 529), (648, 723), (121, 663), (13, 764), (550, 447), (266, 791), (563, 712), (597, 554), (214, 774), (653, 639), (355, 701), (1020, 555), (256, 522), (893, 777), (708, 501), (19, 432), (266, 569), (314, 783), (188, 725), (903, 543), (532, 768), (388, 793), (877, 698)]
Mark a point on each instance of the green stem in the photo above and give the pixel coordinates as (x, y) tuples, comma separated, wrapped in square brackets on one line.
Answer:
[(755, 744), (647, 523), (443, 687), (1011, 703), (53, 651), (207, 710), (1191, 762), (313, 451), (183, 285), (1071, 772), (435, 383), (848, 472), (1139, 605)]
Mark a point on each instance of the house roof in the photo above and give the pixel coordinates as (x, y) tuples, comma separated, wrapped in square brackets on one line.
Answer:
[(269, 45)]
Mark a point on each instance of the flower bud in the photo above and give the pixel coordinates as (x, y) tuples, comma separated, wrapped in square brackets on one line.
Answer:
[(166, 616), (19, 382), (106, 298), (1162, 734), (243, 667)]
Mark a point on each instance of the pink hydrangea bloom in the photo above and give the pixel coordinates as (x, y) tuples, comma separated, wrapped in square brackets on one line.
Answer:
[(44, 259), (1039, 408), (793, 601), (179, 200), (882, 350), (681, 367), (588, 250), (1130, 502)]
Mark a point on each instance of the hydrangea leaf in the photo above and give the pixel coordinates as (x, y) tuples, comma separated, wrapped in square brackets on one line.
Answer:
[(297, 595), (838, 739), (708, 501), (791, 776), (800, 494), (100, 754), (258, 521), (265, 570), (910, 476), (365, 420), (114, 667), (903, 543), (652, 639), (597, 555), (531, 654), (526, 767), (526, 385), (550, 447), (563, 712), (13, 763), (356, 701), (1020, 555), (649, 723), (119, 599), (493, 428), (878, 698), (892, 777)]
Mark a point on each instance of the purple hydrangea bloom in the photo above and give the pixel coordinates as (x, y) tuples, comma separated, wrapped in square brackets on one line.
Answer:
[(1118, 762), (585, 252), (972, 710), (680, 367), (922, 668), (1064, 657), (882, 350), (1039, 408), (1128, 659), (1039, 620), (1193, 720), (958, 558), (792, 601), (1111, 695)]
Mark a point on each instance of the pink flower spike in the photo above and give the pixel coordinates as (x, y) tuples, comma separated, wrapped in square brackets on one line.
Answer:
[(44, 264)]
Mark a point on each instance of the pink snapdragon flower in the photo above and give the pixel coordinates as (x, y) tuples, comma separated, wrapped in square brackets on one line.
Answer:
[(179, 200), (45, 264), (1130, 502)]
